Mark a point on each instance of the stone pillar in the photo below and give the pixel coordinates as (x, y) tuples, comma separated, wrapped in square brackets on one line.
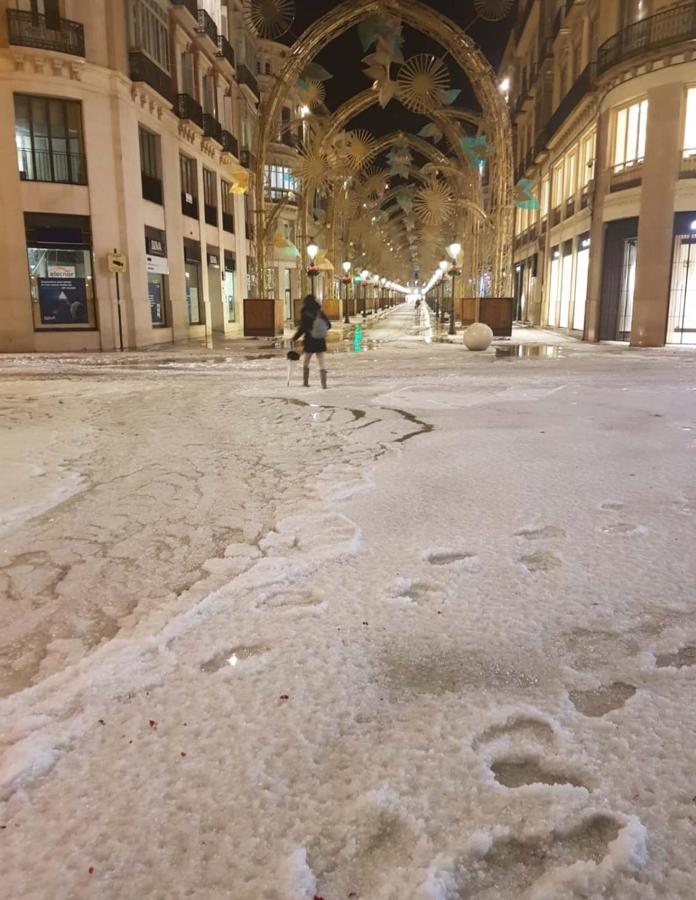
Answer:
[(656, 228), (602, 176)]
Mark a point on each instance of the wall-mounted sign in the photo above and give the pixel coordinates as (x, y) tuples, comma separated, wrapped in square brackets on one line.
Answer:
[(157, 265), (213, 261), (117, 262), (155, 247), (61, 271)]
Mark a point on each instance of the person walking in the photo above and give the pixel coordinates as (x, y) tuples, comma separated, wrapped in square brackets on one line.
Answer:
[(314, 326)]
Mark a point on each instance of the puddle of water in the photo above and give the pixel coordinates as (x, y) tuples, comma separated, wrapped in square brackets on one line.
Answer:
[(528, 351), (233, 657)]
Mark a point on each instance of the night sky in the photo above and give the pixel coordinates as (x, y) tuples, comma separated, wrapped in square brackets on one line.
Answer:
[(343, 59)]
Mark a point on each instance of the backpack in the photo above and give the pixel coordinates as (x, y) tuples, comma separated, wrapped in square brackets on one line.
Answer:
[(320, 327)]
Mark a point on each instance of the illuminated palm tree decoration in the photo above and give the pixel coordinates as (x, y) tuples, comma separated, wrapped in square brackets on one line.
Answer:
[(360, 149), (312, 170)]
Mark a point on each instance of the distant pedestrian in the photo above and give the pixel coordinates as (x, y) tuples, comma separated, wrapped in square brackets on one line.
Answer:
[(314, 326)]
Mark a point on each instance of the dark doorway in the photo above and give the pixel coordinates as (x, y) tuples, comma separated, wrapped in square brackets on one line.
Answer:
[(618, 280)]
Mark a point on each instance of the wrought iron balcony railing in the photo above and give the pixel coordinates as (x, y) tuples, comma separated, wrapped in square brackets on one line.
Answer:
[(230, 144), (187, 108), (668, 27), (28, 29), (225, 50), (212, 128), (245, 78), (51, 166), (207, 26), (143, 69)]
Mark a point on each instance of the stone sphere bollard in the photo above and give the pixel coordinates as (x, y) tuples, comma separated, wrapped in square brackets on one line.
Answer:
[(478, 337)]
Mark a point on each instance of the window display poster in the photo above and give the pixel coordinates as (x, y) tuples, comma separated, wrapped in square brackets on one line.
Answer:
[(154, 289), (63, 301), (61, 272)]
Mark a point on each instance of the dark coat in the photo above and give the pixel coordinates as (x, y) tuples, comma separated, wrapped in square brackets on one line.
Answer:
[(311, 345)]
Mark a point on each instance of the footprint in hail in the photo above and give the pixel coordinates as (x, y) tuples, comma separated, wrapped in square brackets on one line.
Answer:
[(683, 659), (600, 701)]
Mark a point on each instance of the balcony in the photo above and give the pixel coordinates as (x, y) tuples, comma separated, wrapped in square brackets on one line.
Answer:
[(152, 188), (555, 216), (190, 5), (211, 214), (246, 79), (51, 166), (187, 108), (688, 164), (627, 175), (207, 27), (569, 208), (249, 231), (247, 159), (228, 222), (27, 29), (212, 128), (582, 87), (143, 69), (189, 205), (230, 144), (225, 50), (669, 27), (585, 196)]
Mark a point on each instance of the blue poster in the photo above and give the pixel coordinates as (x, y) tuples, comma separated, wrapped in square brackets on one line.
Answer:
[(63, 301), (154, 289)]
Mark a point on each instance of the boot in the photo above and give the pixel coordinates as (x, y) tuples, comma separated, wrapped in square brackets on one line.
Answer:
[(322, 373), (305, 376)]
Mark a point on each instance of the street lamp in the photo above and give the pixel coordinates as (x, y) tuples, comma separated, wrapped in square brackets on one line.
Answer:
[(312, 270), (365, 275), (382, 297), (346, 282), (444, 266), (454, 250)]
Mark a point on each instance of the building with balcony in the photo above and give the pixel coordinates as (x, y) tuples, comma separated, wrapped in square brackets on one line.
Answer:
[(603, 99), (279, 181), (123, 123)]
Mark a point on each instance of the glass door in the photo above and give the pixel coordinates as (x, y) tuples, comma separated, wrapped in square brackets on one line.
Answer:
[(566, 289), (681, 325), (554, 288), (627, 290), (581, 283)]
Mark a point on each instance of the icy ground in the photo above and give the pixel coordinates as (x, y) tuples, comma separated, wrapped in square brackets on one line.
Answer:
[(427, 635)]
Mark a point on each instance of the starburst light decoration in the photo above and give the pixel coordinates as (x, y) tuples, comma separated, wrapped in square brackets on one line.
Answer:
[(312, 169), (269, 19), (434, 202), (422, 81), (493, 10), (311, 93), (360, 148)]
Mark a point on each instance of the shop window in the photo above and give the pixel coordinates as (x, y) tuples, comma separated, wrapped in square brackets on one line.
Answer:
[(690, 125), (227, 206), (554, 287), (157, 276), (228, 285), (48, 135), (189, 186), (630, 134), (279, 182), (59, 255), (566, 289), (192, 270), (582, 271), (681, 324)]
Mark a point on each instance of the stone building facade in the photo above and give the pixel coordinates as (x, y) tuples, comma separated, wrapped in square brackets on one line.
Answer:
[(123, 125), (603, 97)]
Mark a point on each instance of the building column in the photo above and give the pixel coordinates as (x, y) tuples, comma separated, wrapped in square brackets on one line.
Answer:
[(656, 228), (602, 175)]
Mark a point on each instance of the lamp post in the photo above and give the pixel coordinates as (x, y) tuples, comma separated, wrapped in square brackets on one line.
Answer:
[(346, 282), (444, 266), (383, 282), (365, 275), (312, 270), (454, 250)]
